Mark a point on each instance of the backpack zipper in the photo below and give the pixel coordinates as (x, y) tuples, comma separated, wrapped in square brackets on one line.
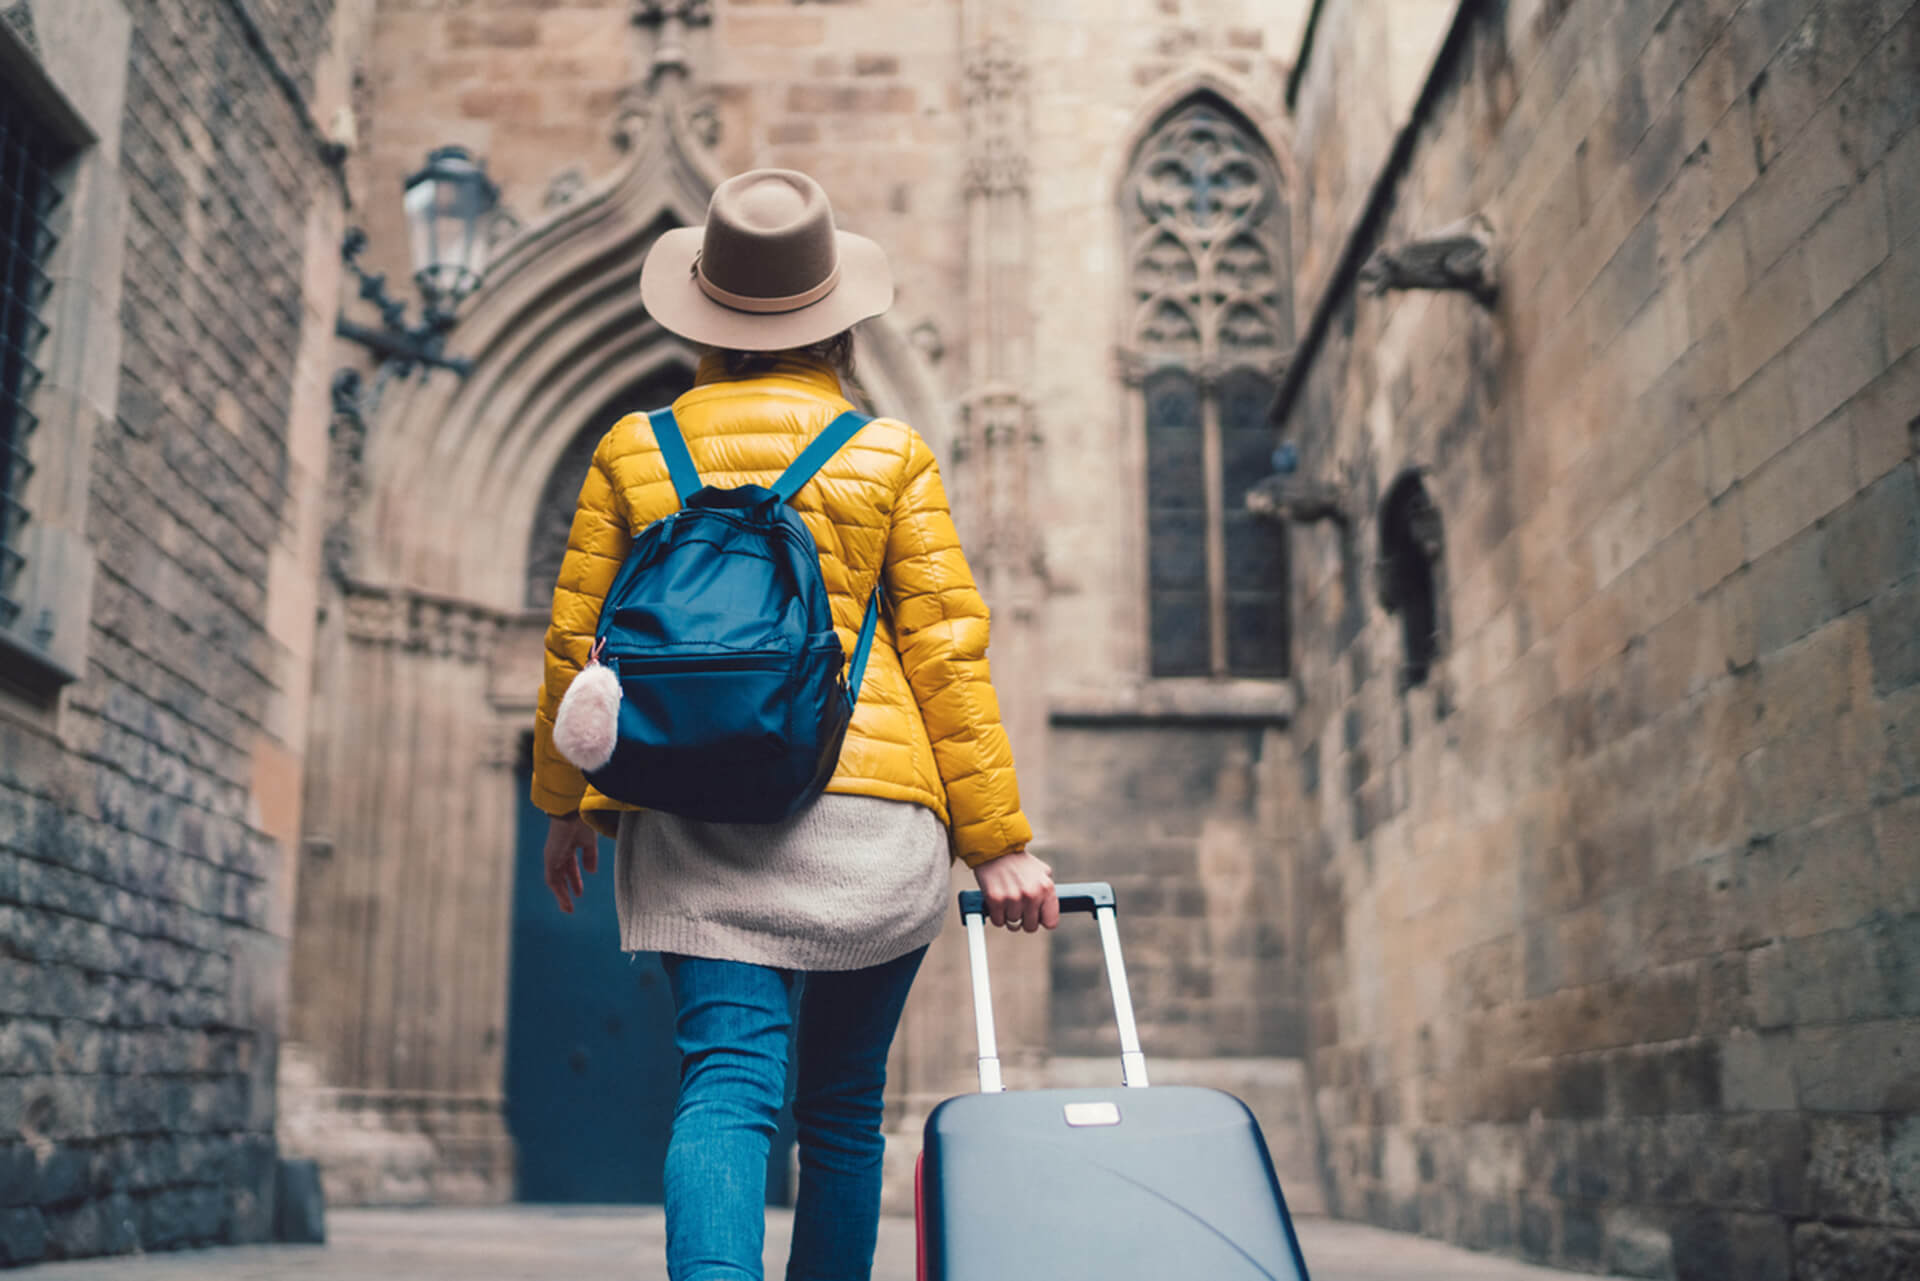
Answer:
[(642, 664)]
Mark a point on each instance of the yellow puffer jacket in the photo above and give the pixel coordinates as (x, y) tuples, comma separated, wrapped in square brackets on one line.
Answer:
[(927, 728)]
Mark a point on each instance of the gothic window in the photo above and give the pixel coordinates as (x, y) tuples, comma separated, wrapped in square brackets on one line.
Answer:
[(1211, 323), (553, 518), (27, 197)]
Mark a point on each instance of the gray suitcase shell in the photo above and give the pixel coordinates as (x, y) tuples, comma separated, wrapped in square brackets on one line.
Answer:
[(1120, 1184)]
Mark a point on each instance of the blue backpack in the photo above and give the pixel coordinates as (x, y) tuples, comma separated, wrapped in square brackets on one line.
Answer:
[(733, 703)]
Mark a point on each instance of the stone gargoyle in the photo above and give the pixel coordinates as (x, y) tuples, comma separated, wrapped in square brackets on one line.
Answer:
[(1287, 497), (1458, 256)]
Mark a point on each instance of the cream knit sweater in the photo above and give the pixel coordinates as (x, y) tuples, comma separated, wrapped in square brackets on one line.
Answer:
[(849, 882)]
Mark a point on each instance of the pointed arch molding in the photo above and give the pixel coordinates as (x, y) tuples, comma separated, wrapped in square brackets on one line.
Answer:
[(455, 468)]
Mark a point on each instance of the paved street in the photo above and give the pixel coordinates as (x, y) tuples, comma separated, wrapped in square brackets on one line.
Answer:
[(525, 1243)]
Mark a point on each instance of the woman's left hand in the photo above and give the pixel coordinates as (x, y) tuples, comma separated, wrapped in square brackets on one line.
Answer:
[(566, 837)]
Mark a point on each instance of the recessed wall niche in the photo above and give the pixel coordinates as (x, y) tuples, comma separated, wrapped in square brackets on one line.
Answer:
[(1410, 575)]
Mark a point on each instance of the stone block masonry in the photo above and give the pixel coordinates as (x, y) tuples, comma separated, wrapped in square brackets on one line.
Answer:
[(140, 982), (1623, 980)]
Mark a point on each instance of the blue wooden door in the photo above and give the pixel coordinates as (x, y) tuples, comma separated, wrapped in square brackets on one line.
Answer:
[(591, 1070)]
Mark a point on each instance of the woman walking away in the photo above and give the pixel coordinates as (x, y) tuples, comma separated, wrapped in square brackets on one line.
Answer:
[(841, 899)]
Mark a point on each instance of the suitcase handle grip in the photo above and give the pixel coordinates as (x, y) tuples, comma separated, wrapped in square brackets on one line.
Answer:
[(1095, 899), (1080, 896)]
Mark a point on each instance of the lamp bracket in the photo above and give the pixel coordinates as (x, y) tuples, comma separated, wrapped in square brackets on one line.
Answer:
[(405, 345)]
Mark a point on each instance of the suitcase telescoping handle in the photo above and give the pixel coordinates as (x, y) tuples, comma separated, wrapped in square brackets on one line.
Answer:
[(1094, 897)]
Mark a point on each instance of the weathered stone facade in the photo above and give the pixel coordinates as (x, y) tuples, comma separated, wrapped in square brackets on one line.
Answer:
[(1613, 923), (1548, 882), (151, 734)]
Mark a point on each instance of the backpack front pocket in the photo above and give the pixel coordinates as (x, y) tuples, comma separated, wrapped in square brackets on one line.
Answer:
[(729, 706)]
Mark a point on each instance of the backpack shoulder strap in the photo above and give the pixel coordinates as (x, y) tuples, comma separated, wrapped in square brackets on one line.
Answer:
[(863, 648), (818, 451), (686, 477)]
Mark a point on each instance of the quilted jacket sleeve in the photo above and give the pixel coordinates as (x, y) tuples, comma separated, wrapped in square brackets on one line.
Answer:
[(596, 545), (940, 624)]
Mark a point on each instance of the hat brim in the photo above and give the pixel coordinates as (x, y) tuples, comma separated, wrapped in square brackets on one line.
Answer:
[(672, 297)]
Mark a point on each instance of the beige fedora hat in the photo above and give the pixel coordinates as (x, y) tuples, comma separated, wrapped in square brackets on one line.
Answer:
[(768, 271)]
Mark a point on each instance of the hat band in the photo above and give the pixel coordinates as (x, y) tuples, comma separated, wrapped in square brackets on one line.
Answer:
[(765, 306)]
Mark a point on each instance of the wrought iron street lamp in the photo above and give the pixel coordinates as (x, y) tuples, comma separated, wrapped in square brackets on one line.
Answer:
[(447, 203)]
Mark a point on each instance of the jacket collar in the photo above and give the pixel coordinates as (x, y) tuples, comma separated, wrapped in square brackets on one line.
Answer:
[(802, 373)]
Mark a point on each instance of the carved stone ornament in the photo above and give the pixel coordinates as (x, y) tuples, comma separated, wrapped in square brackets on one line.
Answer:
[(927, 340), (1207, 229), (1133, 367), (703, 125), (996, 83), (1459, 256), (502, 227), (418, 623), (670, 21), (633, 116), (20, 18), (564, 188), (1300, 500), (653, 13), (346, 472)]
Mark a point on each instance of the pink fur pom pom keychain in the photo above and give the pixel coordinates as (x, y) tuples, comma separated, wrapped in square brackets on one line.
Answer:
[(588, 722)]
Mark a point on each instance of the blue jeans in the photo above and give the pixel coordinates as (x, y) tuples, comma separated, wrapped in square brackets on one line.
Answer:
[(733, 1030)]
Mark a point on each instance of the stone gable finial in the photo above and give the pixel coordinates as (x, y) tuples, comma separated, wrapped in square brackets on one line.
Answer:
[(653, 13), (663, 69)]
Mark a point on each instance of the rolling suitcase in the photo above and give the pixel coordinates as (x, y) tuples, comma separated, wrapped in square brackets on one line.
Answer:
[(1120, 1184)]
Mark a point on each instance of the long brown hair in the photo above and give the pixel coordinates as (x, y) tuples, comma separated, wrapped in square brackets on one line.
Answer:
[(836, 352)]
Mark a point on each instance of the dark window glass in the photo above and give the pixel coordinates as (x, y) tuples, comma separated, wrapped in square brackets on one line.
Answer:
[(1175, 449), (1256, 549), (27, 198), (1179, 634), (1176, 525), (1246, 437), (1257, 634), (1177, 551), (1175, 475), (1256, 554)]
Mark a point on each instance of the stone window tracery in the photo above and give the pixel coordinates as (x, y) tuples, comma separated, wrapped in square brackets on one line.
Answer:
[(1210, 325)]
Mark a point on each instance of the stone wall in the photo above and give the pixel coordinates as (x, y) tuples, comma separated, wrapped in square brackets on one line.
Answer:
[(148, 810), (1614, 919), (1174, 816)]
